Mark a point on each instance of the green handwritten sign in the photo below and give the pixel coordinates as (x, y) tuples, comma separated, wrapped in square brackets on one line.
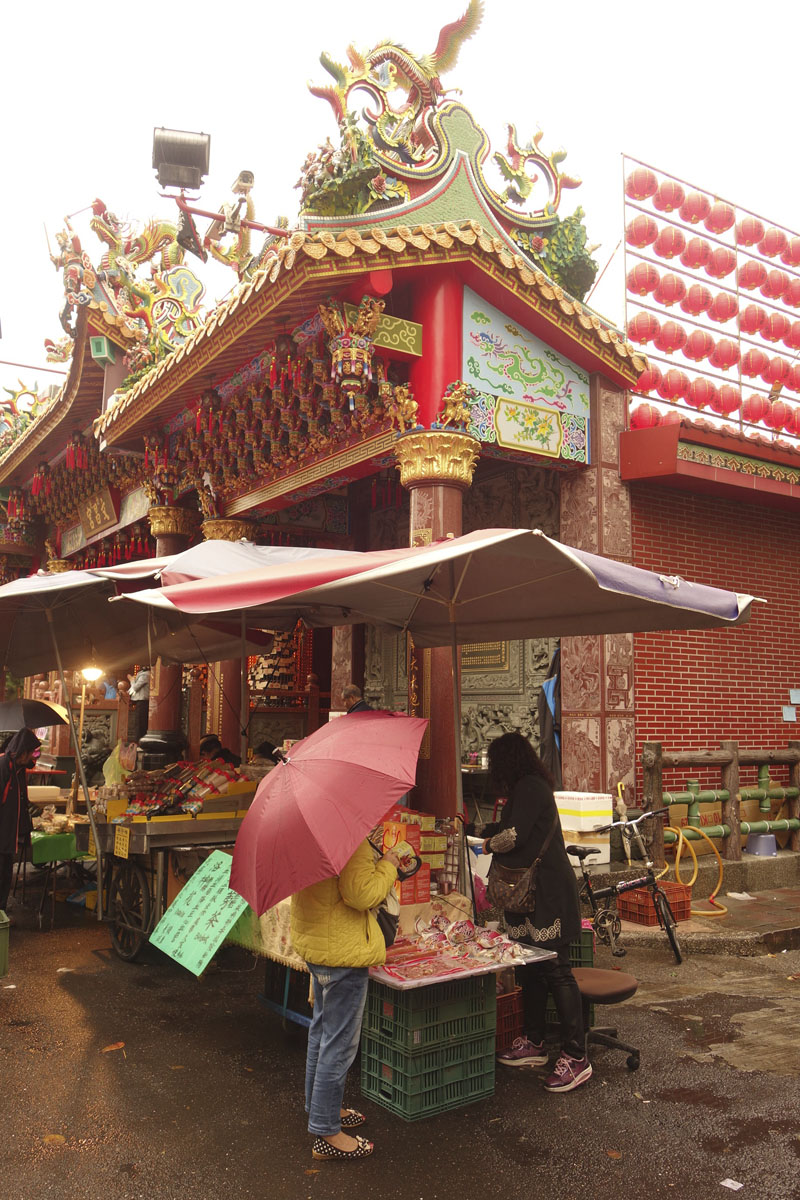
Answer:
[(201, 916)]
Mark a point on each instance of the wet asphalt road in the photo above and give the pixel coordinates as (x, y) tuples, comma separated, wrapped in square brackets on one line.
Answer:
[(205, 1099)]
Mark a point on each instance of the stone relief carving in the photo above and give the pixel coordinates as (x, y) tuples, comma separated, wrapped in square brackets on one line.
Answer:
[(580, 760), (619, 671), (514, 498), (579, 505), (617, 537), (580, 673)]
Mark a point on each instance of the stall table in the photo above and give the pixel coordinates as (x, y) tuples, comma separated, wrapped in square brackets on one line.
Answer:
[(51, 851)]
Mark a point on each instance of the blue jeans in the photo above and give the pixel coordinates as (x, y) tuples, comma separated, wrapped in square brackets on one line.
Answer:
[(340, 994)]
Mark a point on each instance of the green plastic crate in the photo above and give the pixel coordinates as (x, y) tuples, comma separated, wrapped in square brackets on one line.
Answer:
[(4, 925), (428, 1016), (430, 1081)]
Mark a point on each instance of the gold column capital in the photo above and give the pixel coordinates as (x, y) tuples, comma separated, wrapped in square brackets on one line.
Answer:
[(228, 529), (55, 566), (436, 456), (169, 520)]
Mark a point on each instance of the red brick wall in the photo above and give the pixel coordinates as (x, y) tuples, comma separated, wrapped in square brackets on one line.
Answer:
[(695, 689)]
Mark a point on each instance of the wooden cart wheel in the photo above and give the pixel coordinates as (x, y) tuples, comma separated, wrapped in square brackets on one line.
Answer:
[(129, 910)]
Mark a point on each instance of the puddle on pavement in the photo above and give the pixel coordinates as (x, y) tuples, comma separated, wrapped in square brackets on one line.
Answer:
[(698, 1097), (755, 1131)]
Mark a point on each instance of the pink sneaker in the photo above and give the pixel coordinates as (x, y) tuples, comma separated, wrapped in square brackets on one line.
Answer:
[(568, 1073), (523, 1053)]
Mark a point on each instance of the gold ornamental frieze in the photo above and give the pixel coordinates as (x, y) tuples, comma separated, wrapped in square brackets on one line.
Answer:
[(56, 566), (436, 456), (166, 520), (225, 529)]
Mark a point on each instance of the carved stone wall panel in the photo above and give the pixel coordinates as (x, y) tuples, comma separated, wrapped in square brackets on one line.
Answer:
[(611, 415), (619, 672), (617, 537), (276, 728), (581, 685), (514, 498), (621, 756), (481, 723), (510, 682), (388, 527), (579, 510), (581, 754), (385, 670)]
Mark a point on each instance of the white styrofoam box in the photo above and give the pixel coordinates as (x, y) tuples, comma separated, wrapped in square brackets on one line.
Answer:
[(600, 841), (584, 811), (43, 793)]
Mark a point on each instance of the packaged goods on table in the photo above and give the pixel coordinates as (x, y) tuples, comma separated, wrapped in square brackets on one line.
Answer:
[(178, 788), (441, 948), (434, 841)]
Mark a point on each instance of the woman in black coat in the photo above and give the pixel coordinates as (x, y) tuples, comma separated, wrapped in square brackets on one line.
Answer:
[(528, 817), (14, 820)]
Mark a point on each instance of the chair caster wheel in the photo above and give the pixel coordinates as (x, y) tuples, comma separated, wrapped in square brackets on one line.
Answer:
[(633, 1062)]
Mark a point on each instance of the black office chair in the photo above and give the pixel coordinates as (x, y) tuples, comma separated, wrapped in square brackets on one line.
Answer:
[(605, 987)]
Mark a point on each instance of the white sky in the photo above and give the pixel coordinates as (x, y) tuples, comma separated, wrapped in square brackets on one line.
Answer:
[(702, 90)]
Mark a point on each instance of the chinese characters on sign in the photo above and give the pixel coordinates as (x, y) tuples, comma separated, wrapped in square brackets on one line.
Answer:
[(201, 916), (98, 513)]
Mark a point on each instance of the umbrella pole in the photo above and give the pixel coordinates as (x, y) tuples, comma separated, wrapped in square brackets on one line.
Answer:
[(464, 874), (244, 707), (81, 770)]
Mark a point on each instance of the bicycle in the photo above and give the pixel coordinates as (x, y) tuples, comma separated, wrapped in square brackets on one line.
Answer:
[(605, 920)]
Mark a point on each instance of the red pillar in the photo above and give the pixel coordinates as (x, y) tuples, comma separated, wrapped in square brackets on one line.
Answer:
[(437, 306)]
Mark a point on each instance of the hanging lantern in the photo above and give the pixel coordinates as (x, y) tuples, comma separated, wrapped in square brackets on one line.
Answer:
[(724, 355), (754, 362), (751, 320), (751, 274), (723, 307), (671, 417), (670, 337), (749, 231), (649, 379), (775, 327), (645, 416), (779, 416), (670, 290), (669, 243), (696, 300), (643, 328), (792, 294), (754, 407), (698, 345), (642, 279), (775, 285), (728, 400), (792, 336), (674, 385), (701, 392), (791, 255), (696, 253), (720, 219), (669, 196), (793, 378), (641, 184), (721, 262), (695, 208), (641, 231), (774, 242), (793, 426), (776, 371)]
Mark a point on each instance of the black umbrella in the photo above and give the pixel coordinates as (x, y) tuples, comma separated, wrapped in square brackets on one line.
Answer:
[(35, 714)]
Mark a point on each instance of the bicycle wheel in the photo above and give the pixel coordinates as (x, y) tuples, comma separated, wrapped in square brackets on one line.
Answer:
[(129, 910), (667, 922)]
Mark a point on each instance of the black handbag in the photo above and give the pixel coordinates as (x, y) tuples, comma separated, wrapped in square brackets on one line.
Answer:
[(513, 889)]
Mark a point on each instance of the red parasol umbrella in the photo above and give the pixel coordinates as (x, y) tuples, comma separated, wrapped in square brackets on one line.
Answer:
[(312, 811)]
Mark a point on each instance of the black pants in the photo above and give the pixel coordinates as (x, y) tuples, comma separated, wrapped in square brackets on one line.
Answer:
[(6, 875), (554, 977)]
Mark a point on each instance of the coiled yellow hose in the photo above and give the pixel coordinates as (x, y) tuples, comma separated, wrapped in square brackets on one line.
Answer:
[(719, 909)]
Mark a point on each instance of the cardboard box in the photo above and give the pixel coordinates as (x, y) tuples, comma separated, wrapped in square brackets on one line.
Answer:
[(433, 843), (579, 837), (422, 884), (584, 811), (400, 831), (434, 861)]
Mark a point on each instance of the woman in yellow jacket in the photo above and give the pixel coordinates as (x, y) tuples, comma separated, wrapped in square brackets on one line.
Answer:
[(334, 930)]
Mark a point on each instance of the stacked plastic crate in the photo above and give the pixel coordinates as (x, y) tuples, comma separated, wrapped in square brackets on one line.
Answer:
[(429, 1049)]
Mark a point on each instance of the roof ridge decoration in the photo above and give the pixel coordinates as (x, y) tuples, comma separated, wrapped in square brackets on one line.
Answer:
[(392, 152)]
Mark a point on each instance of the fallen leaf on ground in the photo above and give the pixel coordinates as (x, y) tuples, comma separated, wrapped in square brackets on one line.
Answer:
[(177, 1068), (795, 976), (113, 1046), (639, 1096), (312, 1171), (614, 1153), (54, 1139), (65, 971)]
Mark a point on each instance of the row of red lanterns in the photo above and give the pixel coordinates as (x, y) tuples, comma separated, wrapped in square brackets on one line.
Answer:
[(775, 414), (717, 216), (671, 337), (700, 392), (643, 279), (772, 327)]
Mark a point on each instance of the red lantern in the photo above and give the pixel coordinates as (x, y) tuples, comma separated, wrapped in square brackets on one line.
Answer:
[(751, 320), (674, 385), (724, 355), (641, 231), (774, 242), (793, 379), (779, 416), (669, 243), (723, 307), (670, 337), (669, 196), (775, 327), (749, 231), (670, 290), (721, 262), (641, 184), (701, 392), (754, 362), (696, 253), (753, 408), (775, 285), (792, 336), (728, 400), (791, 255), (671, 417), (776, 371), (792, 294), (649, 379), (642, 278), (699, 345), (751, 274), (645, 416), (695, 208), (720, 218), (696, 300), (643, 327)]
